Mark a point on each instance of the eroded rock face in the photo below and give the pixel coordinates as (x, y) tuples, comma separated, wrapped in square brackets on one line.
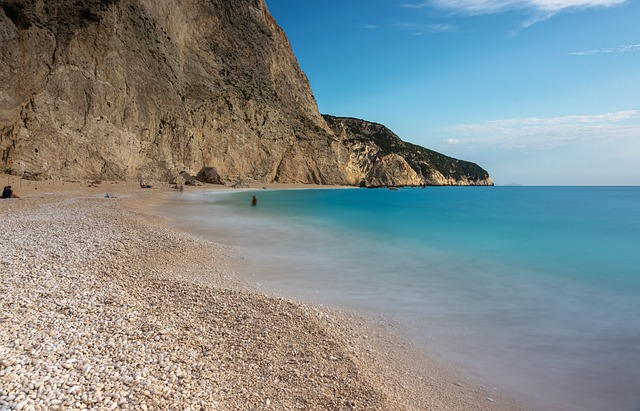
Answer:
[(150, 88), (392, 170), (378, 157)]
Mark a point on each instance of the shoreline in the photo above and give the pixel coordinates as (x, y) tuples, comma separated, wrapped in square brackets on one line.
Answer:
[(146, 316)]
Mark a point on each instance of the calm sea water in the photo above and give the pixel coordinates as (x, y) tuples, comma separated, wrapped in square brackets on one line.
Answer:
[(536, 290)]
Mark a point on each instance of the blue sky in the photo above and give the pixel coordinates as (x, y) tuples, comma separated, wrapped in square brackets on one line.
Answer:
[(538, 92)]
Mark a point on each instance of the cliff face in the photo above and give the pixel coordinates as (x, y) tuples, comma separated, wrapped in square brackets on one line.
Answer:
[(114, 89), (380, 158), (135, 88)]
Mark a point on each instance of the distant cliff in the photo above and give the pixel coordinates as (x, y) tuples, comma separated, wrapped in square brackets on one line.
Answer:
[(114, 89), (380, 158)]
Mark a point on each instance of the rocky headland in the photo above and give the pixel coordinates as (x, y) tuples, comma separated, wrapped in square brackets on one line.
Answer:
[(381, 158)]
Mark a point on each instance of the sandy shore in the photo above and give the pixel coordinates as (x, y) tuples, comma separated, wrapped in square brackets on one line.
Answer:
[(105, 306)]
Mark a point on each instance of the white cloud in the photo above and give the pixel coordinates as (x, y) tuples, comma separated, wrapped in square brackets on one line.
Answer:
[(420, 29), (545, 133), (569, 150), (540, 10), (369, 27), (416, 5), (440, 28), (475, 7), (557, 5), (608, 50)]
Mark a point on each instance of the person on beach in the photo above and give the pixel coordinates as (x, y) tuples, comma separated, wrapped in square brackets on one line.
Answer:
[(254, 201), (7, 192)]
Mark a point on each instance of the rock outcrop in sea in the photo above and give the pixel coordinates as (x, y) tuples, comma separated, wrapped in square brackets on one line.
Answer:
[(121, 89)]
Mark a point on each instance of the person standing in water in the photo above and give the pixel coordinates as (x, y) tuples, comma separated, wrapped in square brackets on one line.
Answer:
[(254, 201)]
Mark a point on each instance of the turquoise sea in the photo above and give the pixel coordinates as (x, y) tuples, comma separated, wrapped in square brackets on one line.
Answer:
[(534, 290)]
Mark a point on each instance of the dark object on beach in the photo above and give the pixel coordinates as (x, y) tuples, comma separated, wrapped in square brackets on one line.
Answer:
[(190, 180), (7, 192), (254, 201), (209, 175)]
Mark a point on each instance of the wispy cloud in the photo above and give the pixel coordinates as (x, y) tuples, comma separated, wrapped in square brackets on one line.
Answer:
[(545, 133), (539, 10), (475, 7), (420, 28), (628, 48), (440, 28), (420, 5), (369, 26)]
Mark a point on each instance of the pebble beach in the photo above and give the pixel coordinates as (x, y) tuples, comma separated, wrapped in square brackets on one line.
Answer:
[(104, 305)]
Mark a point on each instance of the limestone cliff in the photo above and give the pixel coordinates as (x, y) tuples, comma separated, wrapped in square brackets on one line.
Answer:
[(114, 89), (150, 88), (380, 158)]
